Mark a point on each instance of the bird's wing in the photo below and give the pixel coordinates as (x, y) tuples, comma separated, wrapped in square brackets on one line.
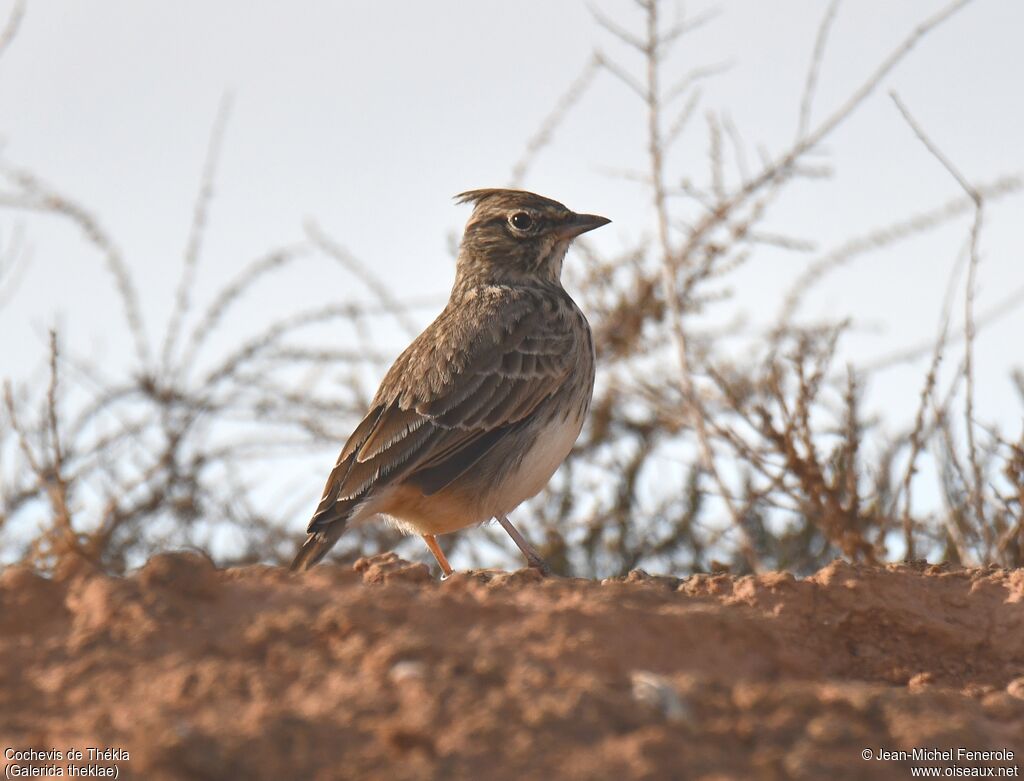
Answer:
[(450, 397)]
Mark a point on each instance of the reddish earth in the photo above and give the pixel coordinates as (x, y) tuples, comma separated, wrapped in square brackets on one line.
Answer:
[(383, 672)]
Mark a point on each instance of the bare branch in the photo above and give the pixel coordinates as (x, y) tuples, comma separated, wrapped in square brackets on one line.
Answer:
[(916, 434), (696, 75), (883, 237), (737, 147), (38, 196), (1006, 305), (814, 69), (616, 29), (363, 273), (11, 26), (678, 125), (686, 25), (655, 151), (14, 262), (196, 232), (546, 131), (946, 163), (883, 70), (977, 482), (235, 290), (616, 70)]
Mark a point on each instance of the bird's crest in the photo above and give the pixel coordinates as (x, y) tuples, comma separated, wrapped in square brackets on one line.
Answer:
[(504, 198)]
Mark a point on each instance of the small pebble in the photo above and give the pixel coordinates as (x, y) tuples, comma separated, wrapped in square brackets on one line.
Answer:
[(657, 692)]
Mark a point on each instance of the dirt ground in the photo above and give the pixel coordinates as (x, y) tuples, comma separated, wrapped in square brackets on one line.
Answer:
[(381, 672)]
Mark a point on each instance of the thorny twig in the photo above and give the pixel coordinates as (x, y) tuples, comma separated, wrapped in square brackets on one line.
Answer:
[(977, 482)]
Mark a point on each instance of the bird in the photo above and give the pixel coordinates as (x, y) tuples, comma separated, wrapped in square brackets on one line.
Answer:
[(480, 410)]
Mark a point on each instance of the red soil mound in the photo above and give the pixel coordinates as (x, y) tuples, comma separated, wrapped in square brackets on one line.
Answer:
[(382, 672)]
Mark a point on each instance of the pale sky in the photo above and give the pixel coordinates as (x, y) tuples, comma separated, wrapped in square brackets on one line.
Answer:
[(369, 116)]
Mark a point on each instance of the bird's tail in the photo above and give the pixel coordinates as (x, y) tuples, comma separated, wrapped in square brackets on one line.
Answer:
[(316, 546)]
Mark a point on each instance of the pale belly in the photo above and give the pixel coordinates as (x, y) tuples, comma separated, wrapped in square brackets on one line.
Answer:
[(495, 486), (538, 466)]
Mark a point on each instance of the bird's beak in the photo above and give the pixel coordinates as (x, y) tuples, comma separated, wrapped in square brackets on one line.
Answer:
[(580, 223)]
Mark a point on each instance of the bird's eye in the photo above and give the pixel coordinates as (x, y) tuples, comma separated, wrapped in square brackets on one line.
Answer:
[(521, 221)]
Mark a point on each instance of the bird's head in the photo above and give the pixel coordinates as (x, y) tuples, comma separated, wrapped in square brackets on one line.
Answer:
[(514, 235)]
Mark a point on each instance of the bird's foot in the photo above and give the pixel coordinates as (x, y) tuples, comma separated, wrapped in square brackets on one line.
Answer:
[(541, 566)]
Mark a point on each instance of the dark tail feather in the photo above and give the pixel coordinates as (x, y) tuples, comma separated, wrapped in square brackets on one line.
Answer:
[(316, 546), (328, 522)]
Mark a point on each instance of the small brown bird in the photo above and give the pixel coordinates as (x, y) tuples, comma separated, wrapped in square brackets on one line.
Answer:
[(482, 408)]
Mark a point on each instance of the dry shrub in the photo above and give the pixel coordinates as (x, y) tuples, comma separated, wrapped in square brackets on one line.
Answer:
[(746, 458), (765, 455)]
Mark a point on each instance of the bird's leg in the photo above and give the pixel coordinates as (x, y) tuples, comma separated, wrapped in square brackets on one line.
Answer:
[(533, 558), (431, 541)]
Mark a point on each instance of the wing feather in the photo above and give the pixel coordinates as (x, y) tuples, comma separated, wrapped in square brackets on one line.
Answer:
[(467, 381), (390, 429)]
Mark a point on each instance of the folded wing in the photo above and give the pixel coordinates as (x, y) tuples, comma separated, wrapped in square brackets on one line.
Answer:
[(465, 383)]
